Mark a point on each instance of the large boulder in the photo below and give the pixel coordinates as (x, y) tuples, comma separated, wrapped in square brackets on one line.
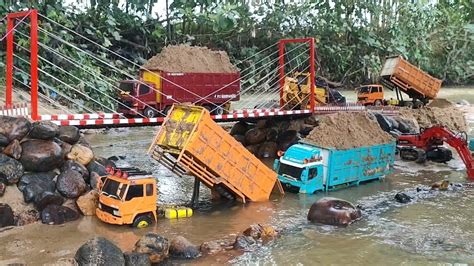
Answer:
[(87, 203), (333, 211), (43, 130), (44, 177), (96, 167), (41, 155), (71, 184), (55, 214), (81, 154), (99, 251), (243, 242), (4, 140), (181, 248), (69, 134), (74, 165), (6, 215), (13, 149), (105, 162), (154, 245), (136, 259), (239, 128), (10, 170), (268, 150), (287, 139), (255, 136), (47, 198), (33, 190), (14, 127)]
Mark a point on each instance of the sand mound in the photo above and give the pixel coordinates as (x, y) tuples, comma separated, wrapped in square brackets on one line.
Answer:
[(441, 103), (346, 131), (192, 59), (14, 198), (450, 117)]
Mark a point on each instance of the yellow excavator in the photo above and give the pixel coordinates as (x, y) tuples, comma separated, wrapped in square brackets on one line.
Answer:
[(296, 92)]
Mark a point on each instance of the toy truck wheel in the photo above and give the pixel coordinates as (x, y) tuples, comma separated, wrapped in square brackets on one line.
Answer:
[(142, 221), (148, 112), (378, 103)]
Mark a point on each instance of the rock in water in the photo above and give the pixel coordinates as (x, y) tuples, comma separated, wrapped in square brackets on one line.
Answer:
[(10, 170), (13, 127), (43, 130), (26, 217), (71, 184), (332, 211), (255, 136), (69, 134), (239, 128), (136, 259), (402, 197), (3, 140), (40, 155), (54, 214), (243, 242), (268, 150), (181, 248), (73, 165), (99, 251), (6, 215), (87, 203), (154, 245), (81, 154), (13, 149)]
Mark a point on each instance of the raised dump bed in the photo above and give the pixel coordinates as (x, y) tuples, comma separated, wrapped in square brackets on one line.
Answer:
[(189, 141), (307, 168)]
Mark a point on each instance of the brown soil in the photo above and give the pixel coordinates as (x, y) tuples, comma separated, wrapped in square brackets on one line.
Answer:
[(441, 103), (192, 59), (346, 131), (450, 117), (14, 197)]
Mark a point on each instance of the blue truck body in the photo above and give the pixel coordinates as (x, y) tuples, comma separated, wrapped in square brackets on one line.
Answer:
[(307, 168)]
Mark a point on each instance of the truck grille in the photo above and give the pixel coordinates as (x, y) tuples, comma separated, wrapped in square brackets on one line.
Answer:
[(108, 209)]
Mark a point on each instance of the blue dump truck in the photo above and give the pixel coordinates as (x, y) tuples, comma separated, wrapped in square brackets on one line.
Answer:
[(306, 168)]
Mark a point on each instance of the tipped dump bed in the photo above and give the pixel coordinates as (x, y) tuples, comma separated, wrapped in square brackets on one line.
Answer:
[(189, 141), (398, 72)]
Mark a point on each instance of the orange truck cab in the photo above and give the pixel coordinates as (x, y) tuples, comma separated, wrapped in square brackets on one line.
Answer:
[(370, 95), (127, 199)]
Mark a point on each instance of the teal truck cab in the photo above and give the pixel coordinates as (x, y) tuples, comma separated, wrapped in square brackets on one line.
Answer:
[(306, 168)]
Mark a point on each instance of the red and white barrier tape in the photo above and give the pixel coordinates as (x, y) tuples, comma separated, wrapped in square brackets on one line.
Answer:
[(20, 109), (79, 116)]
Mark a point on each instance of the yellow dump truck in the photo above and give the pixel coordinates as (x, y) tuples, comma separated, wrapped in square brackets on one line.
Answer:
[(190, 142)]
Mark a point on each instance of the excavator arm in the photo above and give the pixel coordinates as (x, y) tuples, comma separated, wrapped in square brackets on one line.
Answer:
[(438, 135)]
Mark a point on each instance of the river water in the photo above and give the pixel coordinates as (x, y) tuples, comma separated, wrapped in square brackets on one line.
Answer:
[(436, 229)]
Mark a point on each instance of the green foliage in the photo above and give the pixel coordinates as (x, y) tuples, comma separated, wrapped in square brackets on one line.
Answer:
[(352, 38)]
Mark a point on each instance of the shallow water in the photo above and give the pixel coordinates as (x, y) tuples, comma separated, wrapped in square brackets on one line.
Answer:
[(438, 228)]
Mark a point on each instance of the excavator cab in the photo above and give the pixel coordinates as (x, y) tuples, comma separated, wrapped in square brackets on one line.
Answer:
[(296, 92)]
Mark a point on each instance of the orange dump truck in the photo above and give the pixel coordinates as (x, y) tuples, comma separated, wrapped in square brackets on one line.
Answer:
[(398, 74), (190, 142)]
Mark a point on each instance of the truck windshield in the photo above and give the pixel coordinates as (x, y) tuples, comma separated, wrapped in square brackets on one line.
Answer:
[(126, 87), (363, 90), (112, 189), (290, 171)]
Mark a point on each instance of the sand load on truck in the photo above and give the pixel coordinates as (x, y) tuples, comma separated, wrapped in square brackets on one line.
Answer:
[(191, 59), (448, 116), (346, 131)]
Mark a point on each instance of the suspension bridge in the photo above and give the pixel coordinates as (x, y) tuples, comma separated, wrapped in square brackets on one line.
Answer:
[(30, 67)]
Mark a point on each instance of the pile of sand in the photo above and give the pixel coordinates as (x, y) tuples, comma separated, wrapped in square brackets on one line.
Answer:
[(450, 117), (441, 103), (348, 130), (192, 59)]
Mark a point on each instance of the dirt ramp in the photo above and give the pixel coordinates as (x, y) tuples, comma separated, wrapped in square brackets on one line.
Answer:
[(441, 103), (450, 117), (191, 59), (347, 130)]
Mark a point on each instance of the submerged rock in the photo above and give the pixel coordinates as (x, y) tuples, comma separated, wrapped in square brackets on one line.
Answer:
[(333, 211), (182, 248), (87, 203), (154, 245), (10, 170), (54, 215), (14, 127), (69, 134), (402, 197), (40, 155), (6, 215), (71, 184), (99, 251), (136, 259), (43, 130), (244, 242), (13, 149)]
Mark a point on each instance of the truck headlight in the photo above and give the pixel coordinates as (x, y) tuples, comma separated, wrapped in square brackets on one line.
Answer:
[(116, 212), (100, 206)]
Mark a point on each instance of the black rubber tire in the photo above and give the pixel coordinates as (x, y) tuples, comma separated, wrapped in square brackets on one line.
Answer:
[(408, 105), (141, 219), (225, 193), (148, 112), (218, 110), (378, 103), (417, 104), (166, 110)]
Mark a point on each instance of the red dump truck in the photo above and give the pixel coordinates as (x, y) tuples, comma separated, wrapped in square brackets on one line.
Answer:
[(190, 142), (158, 90)]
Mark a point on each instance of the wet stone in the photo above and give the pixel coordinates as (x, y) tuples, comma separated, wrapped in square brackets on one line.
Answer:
[(69, 134), (10, 170), (243, 242), (74, 165), (48, 198), (32, 191), (255, 136), (99, 251), (71, 184), (44, 177), (96, 167), (54, 215), (4, 141), (6, 215), (402, 197), (136, 259), (81, 154), (13, 149), (182, 248), (40, 155), (14, 128), (45, 130), (87, 203), (154, 245), (3, 187), (333, 211)]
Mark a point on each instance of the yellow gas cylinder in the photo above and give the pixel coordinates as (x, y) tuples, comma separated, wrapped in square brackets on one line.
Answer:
[(178, 212)]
